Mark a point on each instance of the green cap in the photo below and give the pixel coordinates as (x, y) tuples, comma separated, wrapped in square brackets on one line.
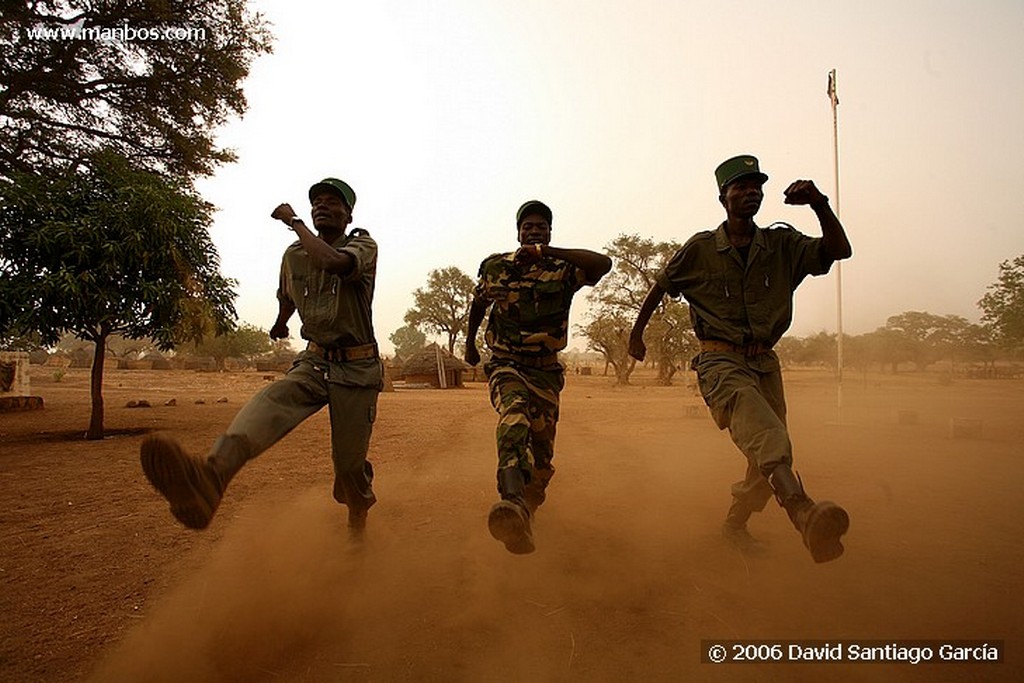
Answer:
[(737, 167), (338, 187), (533, 206)]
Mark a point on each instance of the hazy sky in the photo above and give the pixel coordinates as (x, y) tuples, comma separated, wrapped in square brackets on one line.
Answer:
[(446, 115)]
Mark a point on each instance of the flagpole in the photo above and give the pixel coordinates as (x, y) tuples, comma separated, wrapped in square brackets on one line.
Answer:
[(833, 95)]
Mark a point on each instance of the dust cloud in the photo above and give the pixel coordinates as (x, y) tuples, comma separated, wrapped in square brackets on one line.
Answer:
[(630, 573)]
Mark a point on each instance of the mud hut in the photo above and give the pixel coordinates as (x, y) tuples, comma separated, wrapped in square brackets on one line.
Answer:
[(435, 367), (157, 360)]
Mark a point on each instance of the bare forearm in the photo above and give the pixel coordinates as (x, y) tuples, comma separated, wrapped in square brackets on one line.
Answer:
[(594, 264), (654, 297), (833, 236), (477, 310), (285, 310)]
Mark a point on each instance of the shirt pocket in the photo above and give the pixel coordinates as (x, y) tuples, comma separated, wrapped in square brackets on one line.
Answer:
[(548, 297), (298, 287), (722, 293)]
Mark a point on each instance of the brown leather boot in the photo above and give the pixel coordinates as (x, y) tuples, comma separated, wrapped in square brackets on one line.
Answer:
[(192, 486), (509, 519), (820, 524)]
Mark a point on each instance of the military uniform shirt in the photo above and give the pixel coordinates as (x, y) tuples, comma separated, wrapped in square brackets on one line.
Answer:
[(335, 310), (737, 301), (530, 312)]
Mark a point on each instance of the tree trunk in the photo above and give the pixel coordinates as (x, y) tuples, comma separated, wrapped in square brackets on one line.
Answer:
[(666, 370), (96, 389), (624, 370)]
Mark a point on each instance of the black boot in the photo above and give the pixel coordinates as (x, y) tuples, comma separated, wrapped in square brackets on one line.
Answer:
[(734, 529), (509, 519), (820, 524), (193, 487), (355, 490), (534, 491)]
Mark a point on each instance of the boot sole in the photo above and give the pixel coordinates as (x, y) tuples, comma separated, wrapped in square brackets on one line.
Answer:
[(166, 468), (506, 524), (827, 523)]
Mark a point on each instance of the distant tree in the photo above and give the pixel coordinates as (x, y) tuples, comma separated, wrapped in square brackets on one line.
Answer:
[(819, 349), (789, 350), (976, 343), (117, 345), (927, 337), (619, 296), (609, 336), (442, 306), (158, 102), (1003, 304), (671, 337), (246, 341), (407, 340), (111, 251), (887, 346)]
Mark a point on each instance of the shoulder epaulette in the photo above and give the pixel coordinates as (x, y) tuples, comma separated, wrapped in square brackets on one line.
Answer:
[(697, 236), (493, 256)]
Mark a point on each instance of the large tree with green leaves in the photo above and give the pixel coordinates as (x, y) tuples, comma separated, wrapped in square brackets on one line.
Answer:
[(150, 79), (1003, 304), (111, 250), (442, 307)]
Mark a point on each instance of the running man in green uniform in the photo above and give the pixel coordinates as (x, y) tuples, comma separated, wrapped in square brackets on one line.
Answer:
[(739, 281), (328, 277), (529, 292)]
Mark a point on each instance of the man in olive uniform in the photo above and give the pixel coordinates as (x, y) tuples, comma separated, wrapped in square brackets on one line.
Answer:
[(328, 277), (529, 292), (739, 281)]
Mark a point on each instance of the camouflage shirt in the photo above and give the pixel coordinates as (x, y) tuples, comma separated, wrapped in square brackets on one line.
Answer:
[(737, 301), (335, 310), (530, 311)]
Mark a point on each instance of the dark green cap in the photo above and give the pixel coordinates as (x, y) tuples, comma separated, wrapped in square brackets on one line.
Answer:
[(533, 206), (338, 187), (735, 168)]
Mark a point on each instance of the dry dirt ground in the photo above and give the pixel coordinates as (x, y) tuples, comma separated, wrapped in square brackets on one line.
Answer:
[(98, 583)]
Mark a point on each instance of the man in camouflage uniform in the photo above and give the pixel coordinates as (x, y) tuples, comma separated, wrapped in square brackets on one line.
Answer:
[(529, 292), (739, 282), (328, 277)]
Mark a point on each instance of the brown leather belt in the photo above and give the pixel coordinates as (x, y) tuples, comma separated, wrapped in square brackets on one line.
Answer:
[(341, 354), (716, 346), (539, 362)]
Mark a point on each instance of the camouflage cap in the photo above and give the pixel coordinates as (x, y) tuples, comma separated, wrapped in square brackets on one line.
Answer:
[(338, 187), (533, 206), (733, 169)]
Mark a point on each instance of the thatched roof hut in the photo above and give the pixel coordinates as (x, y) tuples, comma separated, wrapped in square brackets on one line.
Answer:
[(435, 367)]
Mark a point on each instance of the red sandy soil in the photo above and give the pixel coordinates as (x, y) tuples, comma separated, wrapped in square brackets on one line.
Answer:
[(98, 582)]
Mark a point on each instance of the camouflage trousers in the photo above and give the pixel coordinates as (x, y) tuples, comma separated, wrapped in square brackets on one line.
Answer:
[(745, 396), (527, 403)]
